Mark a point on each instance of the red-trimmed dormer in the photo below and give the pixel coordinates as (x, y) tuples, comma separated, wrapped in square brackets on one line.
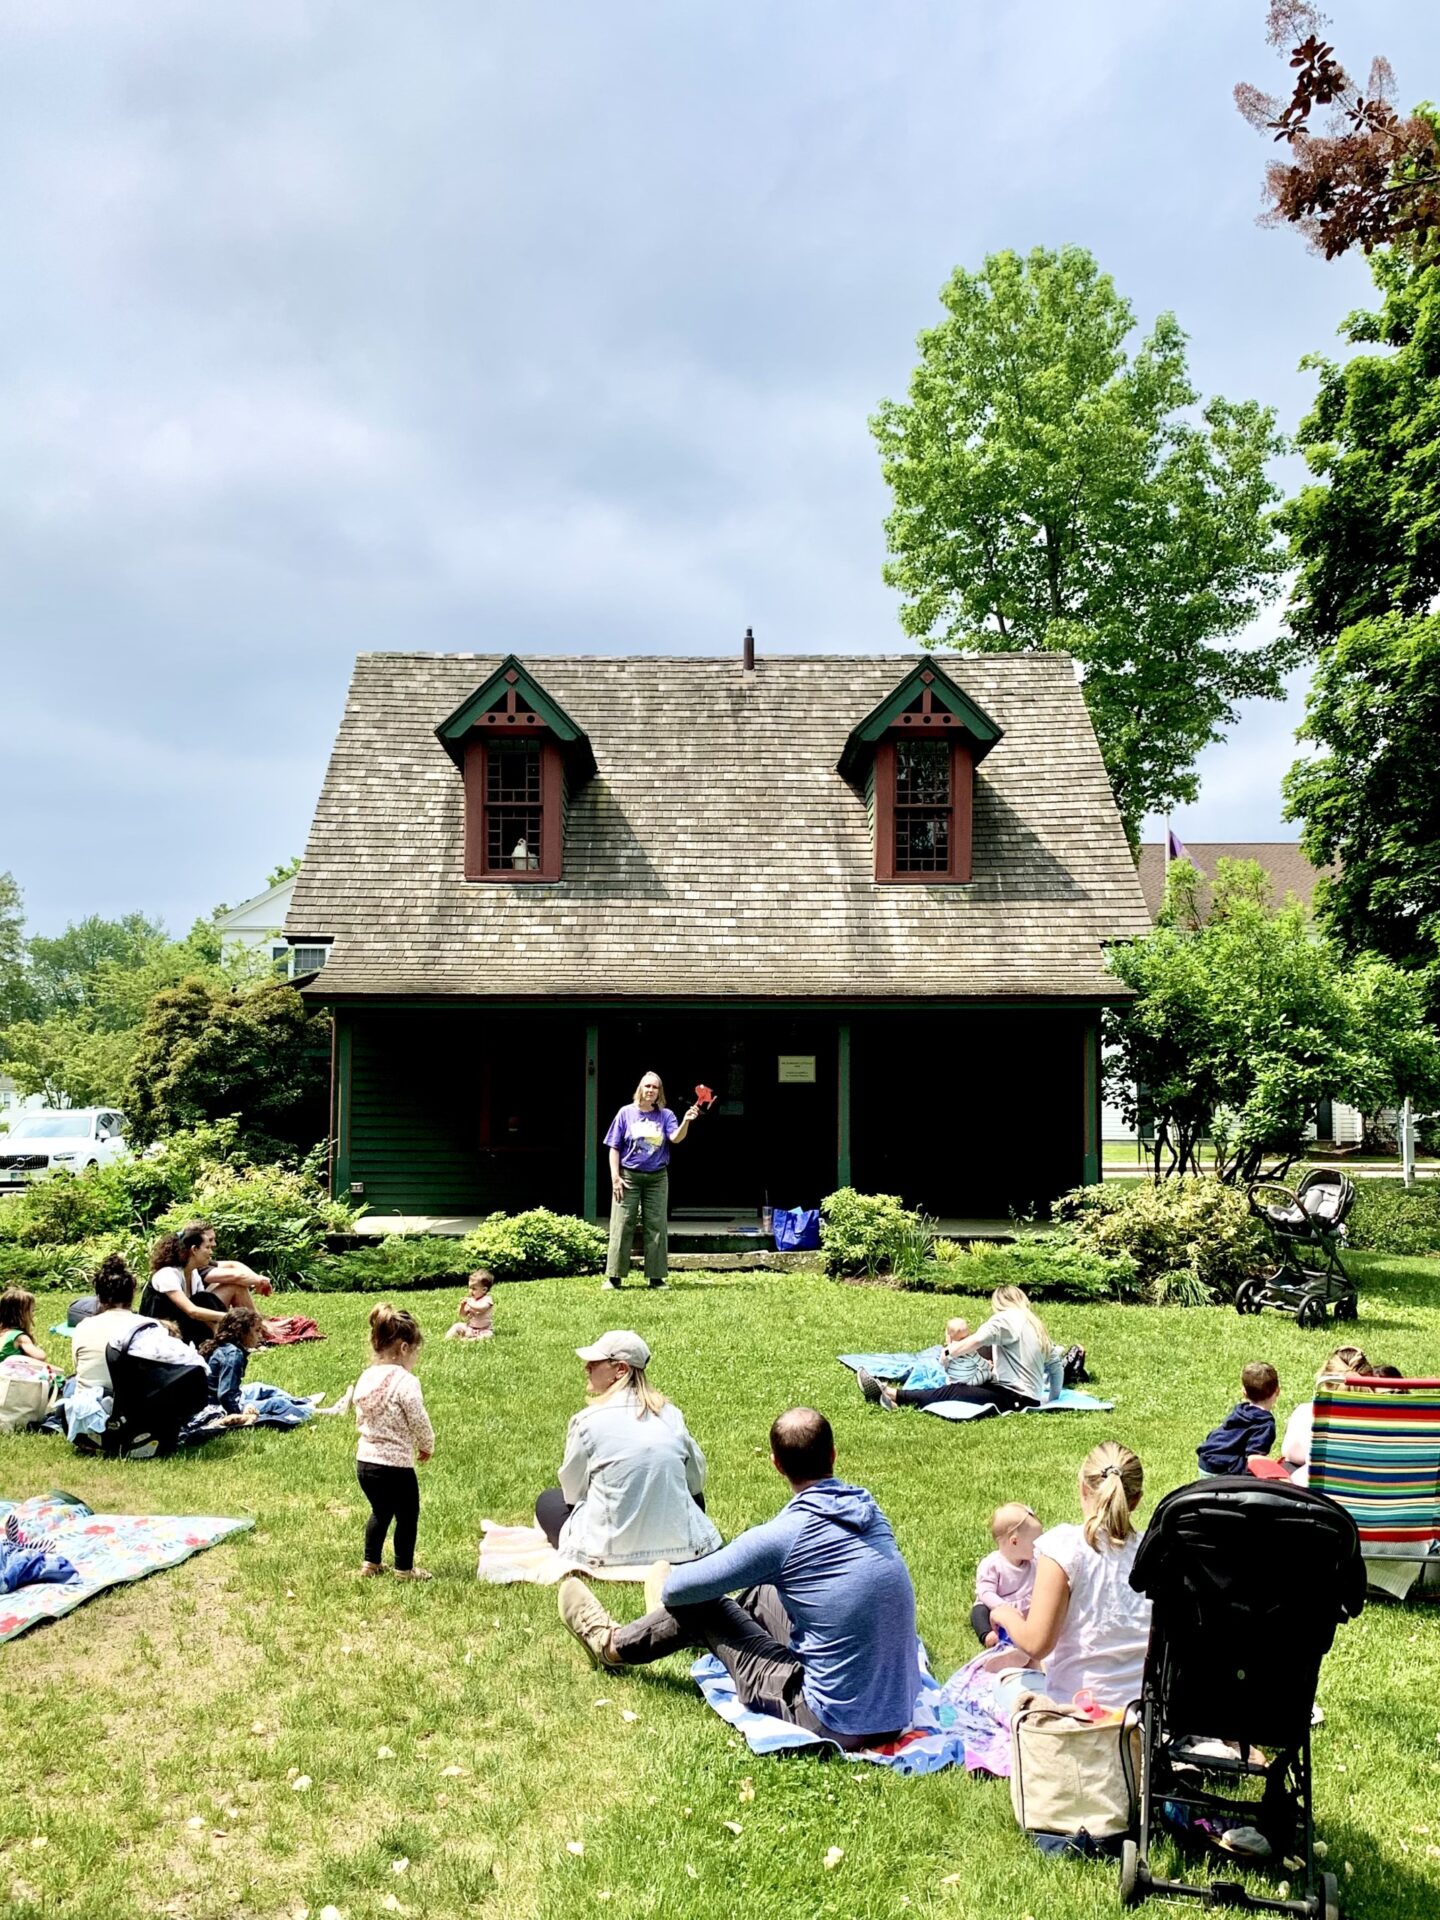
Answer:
[(517, 750), (915, 757)]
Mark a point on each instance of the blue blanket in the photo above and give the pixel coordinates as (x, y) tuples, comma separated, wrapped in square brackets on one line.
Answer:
[(959, 1723), (896, 1366)]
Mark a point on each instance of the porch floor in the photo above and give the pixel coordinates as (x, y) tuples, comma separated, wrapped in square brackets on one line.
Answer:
[(741, 1229)]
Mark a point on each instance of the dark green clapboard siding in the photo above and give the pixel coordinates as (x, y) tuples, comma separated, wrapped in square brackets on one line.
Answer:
[(419, 1082)]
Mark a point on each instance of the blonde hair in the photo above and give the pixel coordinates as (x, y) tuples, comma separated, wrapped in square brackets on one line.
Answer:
[(633, 1380), (1114, 1478), (1016, 1300), (1009, 1519), (1342, 1361), (950, 1329), (650, 1074)]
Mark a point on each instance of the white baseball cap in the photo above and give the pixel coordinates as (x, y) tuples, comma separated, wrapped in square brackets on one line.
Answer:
[(623, 1345)]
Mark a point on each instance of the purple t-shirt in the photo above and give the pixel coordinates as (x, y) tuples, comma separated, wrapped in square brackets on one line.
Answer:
[(643, 1138)]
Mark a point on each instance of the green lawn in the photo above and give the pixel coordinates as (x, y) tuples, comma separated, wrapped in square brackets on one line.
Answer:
[(152, 1738)]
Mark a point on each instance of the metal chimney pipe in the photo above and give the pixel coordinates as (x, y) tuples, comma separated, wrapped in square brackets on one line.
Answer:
[(747, 659)]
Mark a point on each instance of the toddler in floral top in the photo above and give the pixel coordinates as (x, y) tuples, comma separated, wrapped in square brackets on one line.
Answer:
[(395, 1431), (475, 1310)]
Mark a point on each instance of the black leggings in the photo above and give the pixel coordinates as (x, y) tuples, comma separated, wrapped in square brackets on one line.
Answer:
[(552, 1510), (394, 1494), (1003, 1399)]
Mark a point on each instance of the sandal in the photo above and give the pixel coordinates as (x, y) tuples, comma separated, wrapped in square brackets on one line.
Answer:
[(412, 1573), (369, 1570)]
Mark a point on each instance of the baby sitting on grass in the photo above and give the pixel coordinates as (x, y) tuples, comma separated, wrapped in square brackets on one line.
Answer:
[(476, 1310), (1007, 1574)]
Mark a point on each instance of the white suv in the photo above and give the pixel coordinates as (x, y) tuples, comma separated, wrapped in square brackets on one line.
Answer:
[(40, 1140)]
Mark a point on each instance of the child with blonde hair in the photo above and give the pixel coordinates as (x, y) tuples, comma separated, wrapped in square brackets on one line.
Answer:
[(395, 1431), (476, 1310), (1006, 1577)]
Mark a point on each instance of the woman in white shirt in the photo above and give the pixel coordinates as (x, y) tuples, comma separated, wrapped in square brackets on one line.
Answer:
[(1087, 1627), (632, 1480), (176, 1289), (1299, 1428), (112, 1320)]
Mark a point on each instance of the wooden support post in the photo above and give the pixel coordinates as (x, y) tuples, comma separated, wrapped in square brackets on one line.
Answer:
[(1090, 1172), (592, 1121), (842, 1105), (340, 1106)]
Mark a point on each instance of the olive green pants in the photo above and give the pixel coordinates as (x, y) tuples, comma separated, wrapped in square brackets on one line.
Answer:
[(648, 1195)]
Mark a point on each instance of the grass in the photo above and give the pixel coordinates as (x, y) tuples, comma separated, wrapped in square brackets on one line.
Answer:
[(199, 1695)]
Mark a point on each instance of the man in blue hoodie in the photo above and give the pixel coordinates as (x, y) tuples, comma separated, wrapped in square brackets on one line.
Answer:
[(822, 1633)]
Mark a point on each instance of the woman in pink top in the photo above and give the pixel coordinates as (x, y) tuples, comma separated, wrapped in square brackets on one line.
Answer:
[(395, 1431)]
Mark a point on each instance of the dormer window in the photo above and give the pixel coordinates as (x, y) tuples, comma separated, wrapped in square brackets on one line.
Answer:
[(916, 755), (516, 749)]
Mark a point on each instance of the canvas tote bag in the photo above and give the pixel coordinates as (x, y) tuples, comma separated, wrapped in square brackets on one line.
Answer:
[(28, 1390), (1068, 1773)]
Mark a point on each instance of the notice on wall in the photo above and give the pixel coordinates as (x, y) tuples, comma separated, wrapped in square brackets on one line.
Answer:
[(797, 1069)]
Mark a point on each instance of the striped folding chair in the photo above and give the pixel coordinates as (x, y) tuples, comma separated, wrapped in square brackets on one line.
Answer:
[(1378, 1454)]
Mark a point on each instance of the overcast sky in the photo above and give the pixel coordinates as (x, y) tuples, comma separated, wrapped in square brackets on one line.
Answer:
[(332, 326)]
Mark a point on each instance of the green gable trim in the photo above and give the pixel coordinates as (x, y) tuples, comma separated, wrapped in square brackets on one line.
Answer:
[(507, 676), (977, 723)]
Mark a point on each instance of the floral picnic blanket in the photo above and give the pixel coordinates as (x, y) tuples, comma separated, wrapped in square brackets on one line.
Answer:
[(897, 1366), (961, 1723), (106, 1550)]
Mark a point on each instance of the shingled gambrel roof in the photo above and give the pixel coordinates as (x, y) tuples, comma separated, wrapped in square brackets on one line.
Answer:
[(717, 852)]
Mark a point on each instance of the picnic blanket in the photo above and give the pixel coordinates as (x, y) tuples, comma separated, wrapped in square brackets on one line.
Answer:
[(509, 1555), (961, 1723), (106, 1550), (895, 1366), (290, 1328)]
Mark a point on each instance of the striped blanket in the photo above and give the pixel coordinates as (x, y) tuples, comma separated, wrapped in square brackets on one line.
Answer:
[(1378, 1454)]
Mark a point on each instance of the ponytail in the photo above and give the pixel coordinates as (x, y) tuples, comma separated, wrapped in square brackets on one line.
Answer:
[(1114, 1479), (393, 1327)]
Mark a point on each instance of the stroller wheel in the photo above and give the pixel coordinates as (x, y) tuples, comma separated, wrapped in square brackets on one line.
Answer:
[(1329, 1908), (1347, 1307), (1312, 1313), (1134, 1876), (1250, 1296)]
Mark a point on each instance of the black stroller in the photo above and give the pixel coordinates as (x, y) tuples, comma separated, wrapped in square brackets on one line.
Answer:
[(153, 1400), (1307, 1232), (1248, 1580)]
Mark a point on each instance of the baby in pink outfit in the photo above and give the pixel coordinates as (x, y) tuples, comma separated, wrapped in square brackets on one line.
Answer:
[(1008, 1574), (476, 1310)]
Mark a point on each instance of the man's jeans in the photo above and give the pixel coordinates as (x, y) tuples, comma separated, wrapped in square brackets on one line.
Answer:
[(647, 1194), (750, 1637)]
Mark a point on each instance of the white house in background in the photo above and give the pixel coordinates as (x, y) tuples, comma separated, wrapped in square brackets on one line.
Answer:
[(13, 1101), (257, 926), (1290, 874)]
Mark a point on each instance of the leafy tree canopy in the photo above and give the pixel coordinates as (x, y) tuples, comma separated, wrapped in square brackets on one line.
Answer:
[(1370, 797), (1052, 490), (1243, 1023), (14, 985), (206, 1051), (1365, 534), (286, 870)]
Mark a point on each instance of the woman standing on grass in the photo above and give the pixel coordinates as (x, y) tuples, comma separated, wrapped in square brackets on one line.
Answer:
[(640, 1138)]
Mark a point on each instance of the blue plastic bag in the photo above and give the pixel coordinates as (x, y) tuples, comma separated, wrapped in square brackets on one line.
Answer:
[(797, 1229)]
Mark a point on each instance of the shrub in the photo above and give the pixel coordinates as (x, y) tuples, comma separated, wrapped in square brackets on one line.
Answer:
[(1389, 1217), (860, 1233), (58, 1210), (1049, 1266), (275, 1218), (527, 1246), (398, 1262), (69, 1268), (1192, 1239)]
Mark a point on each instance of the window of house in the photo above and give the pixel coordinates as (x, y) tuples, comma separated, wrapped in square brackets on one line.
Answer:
[(923, 793), (512, 808), (308, 959)]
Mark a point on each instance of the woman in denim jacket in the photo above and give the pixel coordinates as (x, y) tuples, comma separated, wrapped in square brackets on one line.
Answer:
[(632, 1481)]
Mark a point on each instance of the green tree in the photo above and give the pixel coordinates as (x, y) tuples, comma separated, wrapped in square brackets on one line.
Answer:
[(286, 870), (207, 1051), (1370, 797), (63, 969), (1052, 490), (1243, 1023), (15, 998)]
